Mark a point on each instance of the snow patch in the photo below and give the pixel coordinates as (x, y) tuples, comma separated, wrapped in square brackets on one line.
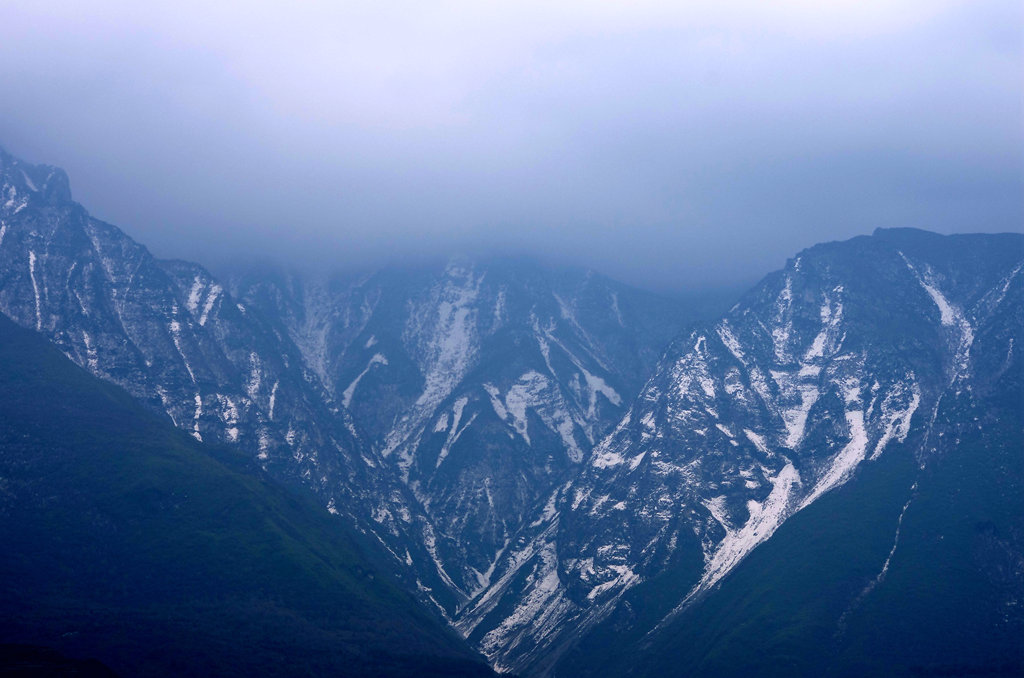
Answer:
[(606, 458), (716, 507), (194, 295), (947, 314), (897, 409), (91, 357), (758, 441), (519, 398), (450, 347), (616, 310), (951, 316), (35, 289), (795, 418), (536, 616), (346, 396), (273, 400), (635, 461), (597, 385), (535, 391), (729, 340), (495, 396), (215, 291), (195, 419), (783, 322), (765, 518), (28, 181), (455, 432), (843, 464)]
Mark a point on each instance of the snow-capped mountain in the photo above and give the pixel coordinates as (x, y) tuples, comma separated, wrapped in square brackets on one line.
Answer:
[(484, 383), (829, 365)]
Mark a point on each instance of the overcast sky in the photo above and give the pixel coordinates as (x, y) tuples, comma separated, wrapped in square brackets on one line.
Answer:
[(670, 144)]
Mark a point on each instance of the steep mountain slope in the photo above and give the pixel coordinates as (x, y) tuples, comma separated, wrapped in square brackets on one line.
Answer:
[(856, 351), (171, 335), (477, 389), (905, 572), (135, 545), (910, 570), (483, 382), (786, 478)]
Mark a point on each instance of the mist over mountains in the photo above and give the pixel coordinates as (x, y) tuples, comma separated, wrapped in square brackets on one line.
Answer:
[(672, 146), (528, 465), (534, 339)]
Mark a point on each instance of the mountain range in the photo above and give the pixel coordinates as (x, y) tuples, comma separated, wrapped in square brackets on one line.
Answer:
[(582, 478)]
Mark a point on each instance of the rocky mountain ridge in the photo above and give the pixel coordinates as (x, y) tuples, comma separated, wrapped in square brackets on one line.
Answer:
[(362, 392), (170, 334), (826, 366), (484, 383), (553, 481)]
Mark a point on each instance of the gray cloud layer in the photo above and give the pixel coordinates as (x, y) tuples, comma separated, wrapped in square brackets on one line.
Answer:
[(667, 143)]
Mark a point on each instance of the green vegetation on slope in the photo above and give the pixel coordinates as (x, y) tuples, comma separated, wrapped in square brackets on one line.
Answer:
[(127, 541)]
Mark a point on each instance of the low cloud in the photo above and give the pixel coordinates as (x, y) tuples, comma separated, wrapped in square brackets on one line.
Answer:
[(670, 144)]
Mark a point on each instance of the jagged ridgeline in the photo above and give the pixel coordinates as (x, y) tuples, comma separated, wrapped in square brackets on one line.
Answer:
[(581, 477), (854, 422)]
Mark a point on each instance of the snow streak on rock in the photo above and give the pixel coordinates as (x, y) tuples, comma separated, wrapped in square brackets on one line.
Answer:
[(796, 377)]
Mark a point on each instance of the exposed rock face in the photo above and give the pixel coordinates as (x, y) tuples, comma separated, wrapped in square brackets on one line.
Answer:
[(484, 383), (514, 436), (169, 333), (821, 369), (435, 408)]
